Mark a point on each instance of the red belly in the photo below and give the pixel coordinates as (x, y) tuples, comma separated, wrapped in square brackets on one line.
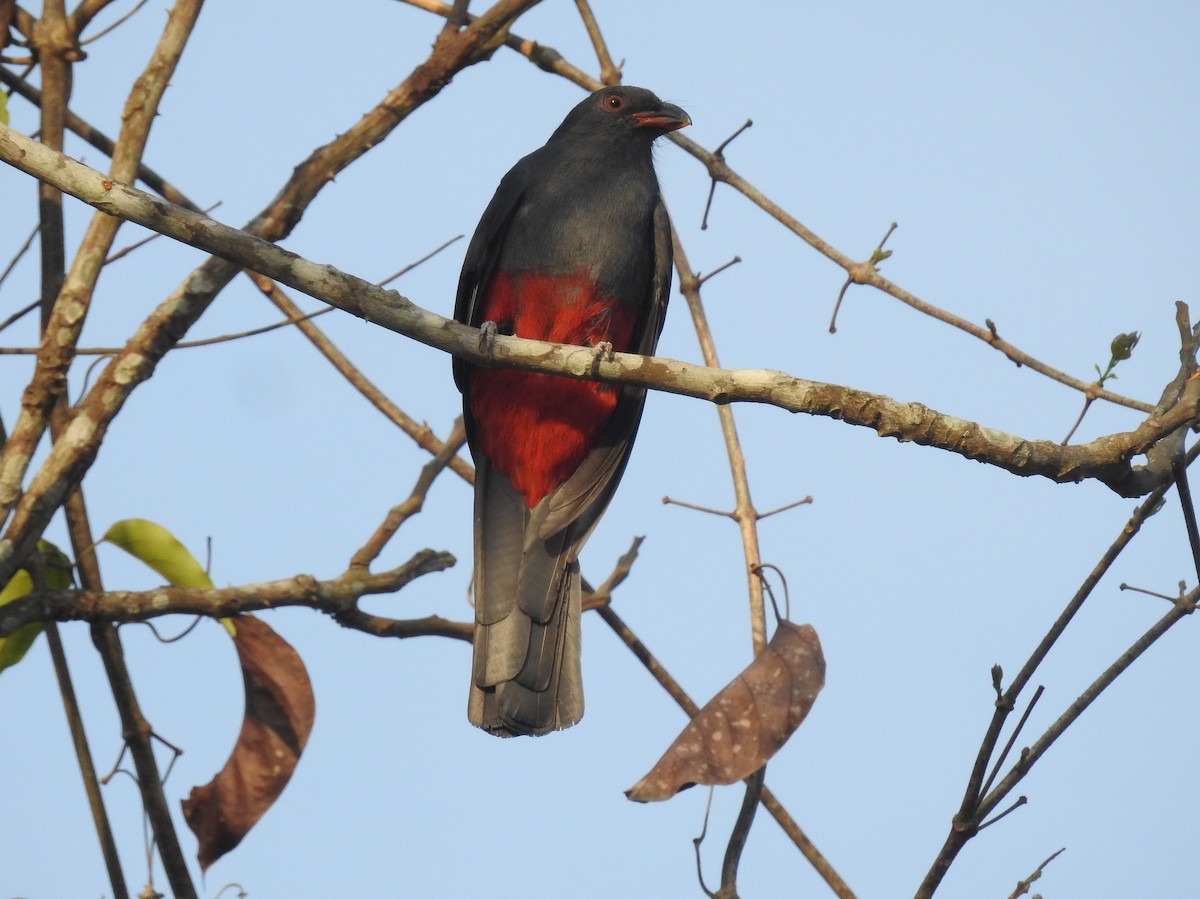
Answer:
[(537, 428)]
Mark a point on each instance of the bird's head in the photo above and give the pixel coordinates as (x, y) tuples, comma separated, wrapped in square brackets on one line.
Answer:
[(626, 111)]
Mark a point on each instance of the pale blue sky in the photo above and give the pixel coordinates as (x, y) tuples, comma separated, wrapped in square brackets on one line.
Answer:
[(1040, 160)]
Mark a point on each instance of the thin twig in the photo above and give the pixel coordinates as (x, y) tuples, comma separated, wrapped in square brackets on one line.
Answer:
[(1087, 404), (550, 60), (877, 256), (121, 21), (970, 811), (12, 263), (100, 141), (609, 73), (20, 313), (719, 155), (1153, 593), (30, 509), (87, 766), (800, 502), (1021, 800), (1012, 739), (744, 512), (600, 595), (698, 841), (740, 833), (702, 279), (668, 501), (408, 268), (1108, 459), (1023, 886), (414, 503), (1189, 509), (420, 433)]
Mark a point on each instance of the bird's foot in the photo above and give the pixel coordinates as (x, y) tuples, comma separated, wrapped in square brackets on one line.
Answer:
[(603, 351), (487, 337)]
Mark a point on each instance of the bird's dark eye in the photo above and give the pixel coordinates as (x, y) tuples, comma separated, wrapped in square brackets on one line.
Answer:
[(613, 102)]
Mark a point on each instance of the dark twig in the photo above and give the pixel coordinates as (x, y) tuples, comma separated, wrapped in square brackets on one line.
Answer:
[(1021, 800), (1189, 509), (550, 60), (100, 141), (601, 595), (12, 263), (20, 313), (744, 512), (698, 841), (800, 502), (1029, 757), (87, 765), (408, 268), (121, 21), (183, 344), (701, 279), (718, 155), (973, 806), (877, 256), (420, 433), (668, 501), (1012, 739), (1154, 593), (741, 832), (415, 501), (55, 55)]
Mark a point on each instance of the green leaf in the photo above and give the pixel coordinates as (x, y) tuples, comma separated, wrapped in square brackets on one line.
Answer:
[(3, 108), (15, 645), (157, 547), (1123, 344), (58, 577)]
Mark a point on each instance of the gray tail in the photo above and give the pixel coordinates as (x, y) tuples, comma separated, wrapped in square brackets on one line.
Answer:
[(526, 677)]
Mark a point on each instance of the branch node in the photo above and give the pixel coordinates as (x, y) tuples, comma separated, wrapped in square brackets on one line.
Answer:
[(718, 170)]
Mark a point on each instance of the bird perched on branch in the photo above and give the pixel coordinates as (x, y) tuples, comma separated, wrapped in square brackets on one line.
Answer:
[(575, 247)]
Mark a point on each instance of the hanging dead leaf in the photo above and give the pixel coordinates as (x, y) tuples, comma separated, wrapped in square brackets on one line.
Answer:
[(747, 722), (277, 722)]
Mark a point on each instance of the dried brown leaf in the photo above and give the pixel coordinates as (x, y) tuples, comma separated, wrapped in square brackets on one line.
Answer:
[(747, 722), (277, 722)]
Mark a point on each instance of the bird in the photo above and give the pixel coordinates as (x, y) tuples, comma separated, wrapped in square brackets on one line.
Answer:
[(575, 247)]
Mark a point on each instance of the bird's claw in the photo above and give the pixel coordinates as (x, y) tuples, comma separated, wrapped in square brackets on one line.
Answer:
[(603, 351), (487, 337)]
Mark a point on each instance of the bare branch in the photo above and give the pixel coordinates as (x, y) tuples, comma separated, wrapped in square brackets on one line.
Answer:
[(65, 321), (416, 500), (609, 73), (1024, 885), (166, 325), (744, 512), (337, 598), (550, 60)]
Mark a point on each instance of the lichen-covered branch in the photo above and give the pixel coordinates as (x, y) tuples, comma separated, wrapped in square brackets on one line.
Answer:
[(1107, 459)]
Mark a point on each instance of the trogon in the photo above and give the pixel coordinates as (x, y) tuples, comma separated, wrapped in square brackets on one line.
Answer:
[(575, 247)]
